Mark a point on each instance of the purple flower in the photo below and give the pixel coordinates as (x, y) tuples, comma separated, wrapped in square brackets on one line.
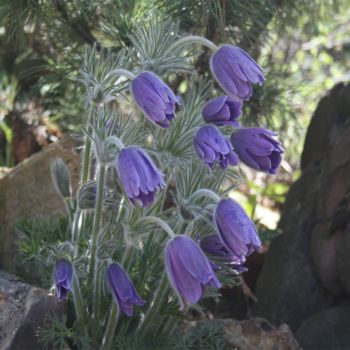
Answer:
[(257, 148), (139, 176), (155, 98), (222, 111), (211, 146), (122, 289), (235, 71), (236, 230), (188, 269), (63, 278), (213, 245)]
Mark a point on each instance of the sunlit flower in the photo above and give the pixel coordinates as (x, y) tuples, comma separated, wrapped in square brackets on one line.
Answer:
[(188, 269), (235, 71), (258, 148), (155, 98), (236, 230), (222, 110), (211, 146), (139, 176)]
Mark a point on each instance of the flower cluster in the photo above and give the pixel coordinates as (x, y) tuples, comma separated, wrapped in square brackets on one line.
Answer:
[(190, 265), (235, 71)]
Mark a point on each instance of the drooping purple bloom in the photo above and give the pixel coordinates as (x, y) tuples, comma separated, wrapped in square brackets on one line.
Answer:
[(222, 110), (214, 246), (188, 269), (258, 148), (235, 71), (236, 230), (63, 278), (211, 146), (155, 98), (122, 289), (139, 176)]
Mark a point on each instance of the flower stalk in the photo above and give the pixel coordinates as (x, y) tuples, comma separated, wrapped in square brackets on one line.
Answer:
[(93, 270), (194, 39)]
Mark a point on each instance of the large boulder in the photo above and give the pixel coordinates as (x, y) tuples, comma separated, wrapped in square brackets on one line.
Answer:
[(24, 309), (27, 192), (326, 330), (307, 267), (252, 334)]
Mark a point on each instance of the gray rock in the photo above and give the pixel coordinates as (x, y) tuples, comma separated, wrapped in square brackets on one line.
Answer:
[(307, 267), (27, 192), (329, 329), (23, 309), (252, 334), (288, 289)]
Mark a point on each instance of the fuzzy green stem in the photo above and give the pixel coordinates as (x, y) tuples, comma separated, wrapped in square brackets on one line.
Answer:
[(75, 226), (87, 151), (111, 327), (193, 39), (120, 72), (204, 192), (78, 302), (161, 223), (95, 232), (155, 306)]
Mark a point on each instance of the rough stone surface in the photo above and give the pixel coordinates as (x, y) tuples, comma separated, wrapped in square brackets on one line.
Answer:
[(254, 334), (23, 309), (27, 192), (307, 267), (327, 330), (4, 171)]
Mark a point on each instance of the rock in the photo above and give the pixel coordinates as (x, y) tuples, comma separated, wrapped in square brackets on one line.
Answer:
[(307, 267), (23, 309), (252, 334), (329, 329), (3, 171), (288, 289), (27, 192)]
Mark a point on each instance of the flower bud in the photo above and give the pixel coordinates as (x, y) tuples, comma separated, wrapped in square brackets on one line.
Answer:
[(61, 177), (155, 98), (258, 148), (235, 71), (211, 146)]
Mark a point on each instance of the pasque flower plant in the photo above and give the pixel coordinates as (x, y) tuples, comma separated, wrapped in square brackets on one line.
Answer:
[(131, 258)]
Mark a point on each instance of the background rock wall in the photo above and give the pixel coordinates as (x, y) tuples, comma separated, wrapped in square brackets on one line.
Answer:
[(307, 269)]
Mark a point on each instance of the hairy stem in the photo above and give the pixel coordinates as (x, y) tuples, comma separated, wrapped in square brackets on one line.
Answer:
[(155, 306), (193, 39), (93, 269), (87, 151), (204, 192), (111, 326), (161, 223), (78, 302)]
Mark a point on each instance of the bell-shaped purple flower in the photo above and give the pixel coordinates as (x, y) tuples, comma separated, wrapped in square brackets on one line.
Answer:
[(235, 71), (155, 98), (63, 278), (222, 110), (236, 230), (122, 289), (211, 146), (214, 246), (139, 176), (258, 148), (188, 269)]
